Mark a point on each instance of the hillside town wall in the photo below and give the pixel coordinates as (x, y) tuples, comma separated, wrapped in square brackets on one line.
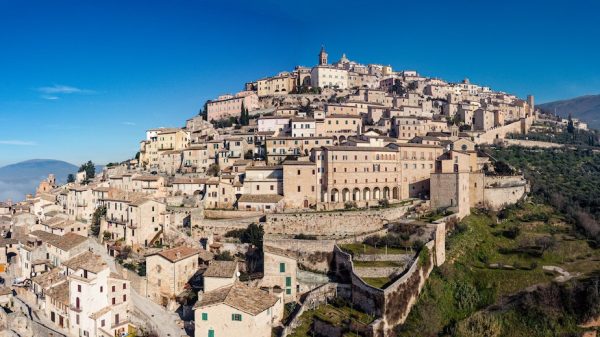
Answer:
[(531, 143), (314, 255), (335, 224), (392, 304), (494, 134)]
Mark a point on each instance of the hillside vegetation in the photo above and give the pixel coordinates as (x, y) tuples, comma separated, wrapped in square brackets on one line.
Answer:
[(491, 259), (568, 179)]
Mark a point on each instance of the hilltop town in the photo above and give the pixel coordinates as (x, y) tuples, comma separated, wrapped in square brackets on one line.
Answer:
[(337, 183)]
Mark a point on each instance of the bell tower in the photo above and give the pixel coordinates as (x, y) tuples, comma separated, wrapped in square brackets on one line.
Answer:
[(322, 57)]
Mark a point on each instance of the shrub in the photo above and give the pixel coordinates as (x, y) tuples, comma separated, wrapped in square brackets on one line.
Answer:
[(350, 205), (224, 256), (480, 324), (466, 296), (303, 236), (512, 232)]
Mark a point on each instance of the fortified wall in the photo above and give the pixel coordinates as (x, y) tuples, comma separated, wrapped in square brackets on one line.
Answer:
[(335, 224), (393, 303), (500, 191), (315, 255), (498, 133)]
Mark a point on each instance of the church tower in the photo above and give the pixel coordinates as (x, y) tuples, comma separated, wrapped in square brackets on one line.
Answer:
[(322, 57)]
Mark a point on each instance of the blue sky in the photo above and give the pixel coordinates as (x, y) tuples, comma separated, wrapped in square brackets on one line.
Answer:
[(82, 80)]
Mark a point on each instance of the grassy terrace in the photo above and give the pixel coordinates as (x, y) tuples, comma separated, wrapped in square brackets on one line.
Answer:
[(361, 248), (338, 314), (377, 282), (466, 283)]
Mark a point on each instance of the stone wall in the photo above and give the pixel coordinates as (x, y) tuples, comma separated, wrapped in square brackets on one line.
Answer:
[(376, 271), (228, 214), (339, 224), (312, 300), (392, 304), (498, 197), (531, 143), (493, 135), (314, 255)]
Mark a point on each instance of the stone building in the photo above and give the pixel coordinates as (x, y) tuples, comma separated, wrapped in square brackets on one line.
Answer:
[(226, 106), (237, 310), (168, 271), (220, 274)]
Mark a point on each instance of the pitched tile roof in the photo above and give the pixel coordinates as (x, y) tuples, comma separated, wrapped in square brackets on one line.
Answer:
[(222, 269), (87, 261), (65, 242), (178, 253), (241, 297), (260, 198)]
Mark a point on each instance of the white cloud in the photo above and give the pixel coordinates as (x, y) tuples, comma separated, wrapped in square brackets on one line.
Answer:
[(50, 97), (63, 89), (17, 142)]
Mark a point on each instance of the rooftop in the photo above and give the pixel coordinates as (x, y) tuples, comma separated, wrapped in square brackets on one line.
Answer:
[(221, 269), (241, 297), (178, 253), (86, 261)]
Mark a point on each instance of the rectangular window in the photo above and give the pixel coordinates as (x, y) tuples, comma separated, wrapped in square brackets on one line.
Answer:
[(282, 267), (288, 291), (205, 316), (211, 333), (236, 317), (288, 281)]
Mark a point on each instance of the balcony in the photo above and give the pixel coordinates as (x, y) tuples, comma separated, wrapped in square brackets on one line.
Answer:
[(76, 309)]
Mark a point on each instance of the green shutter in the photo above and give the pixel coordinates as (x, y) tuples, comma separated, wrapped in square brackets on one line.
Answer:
[(205, 316), (211, 333), (288, 291), (282, 267), (288, 281)]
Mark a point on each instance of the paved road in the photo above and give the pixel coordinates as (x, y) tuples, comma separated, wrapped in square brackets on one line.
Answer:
[(144, 310)]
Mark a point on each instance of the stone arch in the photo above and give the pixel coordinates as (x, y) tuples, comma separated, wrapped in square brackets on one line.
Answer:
[(342, 139), (367, 194), (335, 195), (395, 194), (345, 195), (386, 192), (376, 193), (356, 194)]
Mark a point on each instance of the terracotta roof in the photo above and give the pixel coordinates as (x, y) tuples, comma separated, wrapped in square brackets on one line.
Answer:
[(261, 198), (146, 178), (65, 242), (241, 297), (205, 255), (59, 292), (47, 279), (189, 180), (221, 269), (178, 253), (299, 162), (87, 261)]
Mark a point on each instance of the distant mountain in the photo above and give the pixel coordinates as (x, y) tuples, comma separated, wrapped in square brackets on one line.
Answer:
[(17, 180), (586, 108)]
